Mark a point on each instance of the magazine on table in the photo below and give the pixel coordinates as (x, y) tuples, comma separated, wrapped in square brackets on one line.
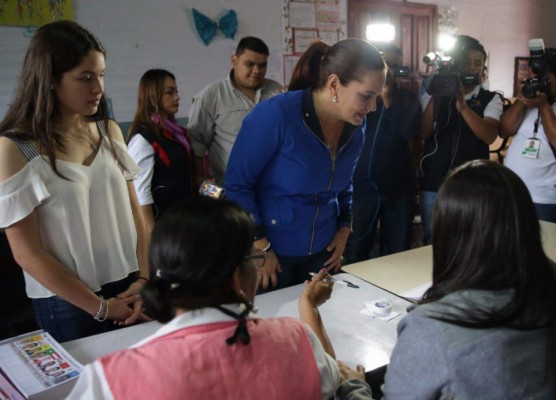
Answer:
[(34, 366)]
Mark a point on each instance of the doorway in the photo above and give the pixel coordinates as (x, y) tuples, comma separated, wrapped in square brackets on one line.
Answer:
[(415, 30)]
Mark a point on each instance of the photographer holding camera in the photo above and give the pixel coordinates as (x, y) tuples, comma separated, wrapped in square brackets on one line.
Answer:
[(457, 125), (532, 121)]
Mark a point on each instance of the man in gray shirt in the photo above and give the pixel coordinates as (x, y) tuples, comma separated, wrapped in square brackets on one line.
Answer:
[(217, 112)]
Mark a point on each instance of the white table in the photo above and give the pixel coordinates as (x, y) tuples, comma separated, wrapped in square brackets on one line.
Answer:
[(357, 338), (399, 273)]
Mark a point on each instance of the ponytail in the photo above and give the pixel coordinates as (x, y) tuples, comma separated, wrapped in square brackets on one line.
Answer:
[(307, 70), (349, 59)]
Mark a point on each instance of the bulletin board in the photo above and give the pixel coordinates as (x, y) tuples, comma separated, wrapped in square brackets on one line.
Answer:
[(307, 21)]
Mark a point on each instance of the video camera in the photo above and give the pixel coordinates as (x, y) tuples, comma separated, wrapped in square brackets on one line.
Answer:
[(446, 81), (537, 63)]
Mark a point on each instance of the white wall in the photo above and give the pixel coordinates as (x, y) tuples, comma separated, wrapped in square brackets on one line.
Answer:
[(143, 34)]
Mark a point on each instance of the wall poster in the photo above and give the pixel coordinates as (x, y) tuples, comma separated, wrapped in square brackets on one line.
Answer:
[(34, 12), (304, 21)]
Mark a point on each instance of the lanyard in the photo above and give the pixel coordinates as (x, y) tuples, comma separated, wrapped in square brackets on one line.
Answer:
[(536, 124)]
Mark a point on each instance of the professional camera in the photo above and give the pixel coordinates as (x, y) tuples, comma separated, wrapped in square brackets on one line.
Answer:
[(533, 85), (446, 81), (537, 63)]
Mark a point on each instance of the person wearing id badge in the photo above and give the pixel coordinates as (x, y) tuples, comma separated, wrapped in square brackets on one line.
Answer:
[(533, 150), (531, 120)]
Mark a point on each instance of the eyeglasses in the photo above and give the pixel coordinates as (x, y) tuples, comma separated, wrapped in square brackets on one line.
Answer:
[(258, 258)]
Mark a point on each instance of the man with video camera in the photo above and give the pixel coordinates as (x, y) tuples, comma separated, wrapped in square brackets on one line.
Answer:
[(459, 122), (531, 120)]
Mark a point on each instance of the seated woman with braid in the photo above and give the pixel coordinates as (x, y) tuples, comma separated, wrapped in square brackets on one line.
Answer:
[(203, 283)]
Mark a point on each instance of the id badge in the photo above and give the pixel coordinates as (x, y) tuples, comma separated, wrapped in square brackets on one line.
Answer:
[(531, 148)]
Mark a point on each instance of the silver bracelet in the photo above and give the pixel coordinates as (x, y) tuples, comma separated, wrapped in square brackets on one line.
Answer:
[(267, 248), (102, 312)]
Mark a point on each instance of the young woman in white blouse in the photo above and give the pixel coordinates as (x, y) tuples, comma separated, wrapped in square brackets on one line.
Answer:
[(69, 208)]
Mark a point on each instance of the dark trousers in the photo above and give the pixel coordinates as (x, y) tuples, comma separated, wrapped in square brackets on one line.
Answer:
[(393, 215), (65, 322), (295, 269), (427, 200), (546, 212)]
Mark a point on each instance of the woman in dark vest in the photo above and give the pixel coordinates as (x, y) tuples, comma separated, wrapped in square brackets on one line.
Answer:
[(159, 146)]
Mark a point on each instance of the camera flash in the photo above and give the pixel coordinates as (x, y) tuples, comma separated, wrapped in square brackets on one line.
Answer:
[(536, 44)]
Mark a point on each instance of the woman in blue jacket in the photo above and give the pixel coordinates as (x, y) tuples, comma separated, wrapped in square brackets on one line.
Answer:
[(292, 163)]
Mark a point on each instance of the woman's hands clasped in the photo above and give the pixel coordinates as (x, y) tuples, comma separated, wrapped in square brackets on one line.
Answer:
[(126, 308)]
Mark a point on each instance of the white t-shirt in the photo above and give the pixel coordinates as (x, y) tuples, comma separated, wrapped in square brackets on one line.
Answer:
[(92, 383), (143, 154), (215, 118), (85, 222), (539, 174)]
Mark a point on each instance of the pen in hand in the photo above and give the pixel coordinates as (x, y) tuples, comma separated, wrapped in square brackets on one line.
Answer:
[(339, 281)]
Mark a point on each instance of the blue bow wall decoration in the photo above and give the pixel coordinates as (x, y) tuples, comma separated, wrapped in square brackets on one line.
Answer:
[(207, 27)]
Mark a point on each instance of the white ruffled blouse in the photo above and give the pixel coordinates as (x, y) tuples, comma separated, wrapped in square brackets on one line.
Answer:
[(85, 222)]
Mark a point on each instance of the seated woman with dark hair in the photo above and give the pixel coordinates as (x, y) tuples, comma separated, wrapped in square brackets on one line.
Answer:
[(486, 327), (203, 282)]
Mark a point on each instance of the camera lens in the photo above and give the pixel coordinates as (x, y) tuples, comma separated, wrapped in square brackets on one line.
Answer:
[(534, 85), (445, 83), (529, 90)]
